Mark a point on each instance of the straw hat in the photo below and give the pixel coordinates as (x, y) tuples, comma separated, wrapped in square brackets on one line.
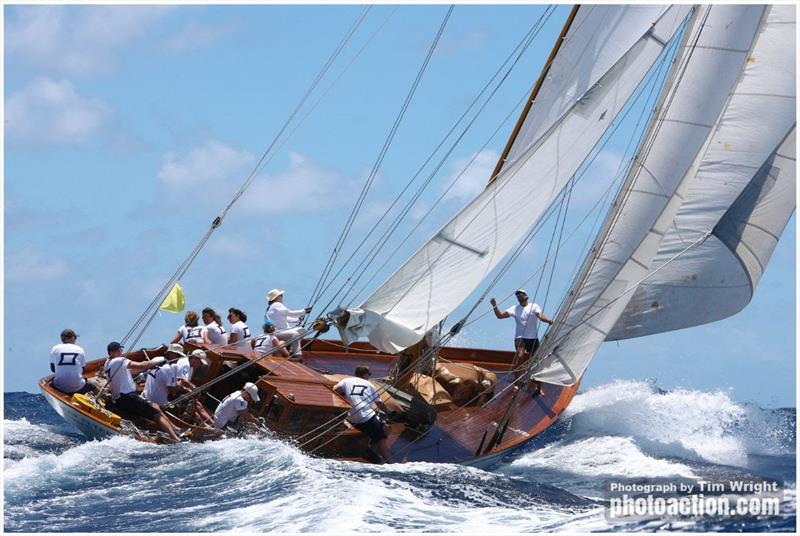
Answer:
[(273, 294)]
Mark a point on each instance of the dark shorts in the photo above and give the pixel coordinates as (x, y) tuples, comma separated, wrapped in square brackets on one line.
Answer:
[(530, 345), (134, 405), (373, 428)]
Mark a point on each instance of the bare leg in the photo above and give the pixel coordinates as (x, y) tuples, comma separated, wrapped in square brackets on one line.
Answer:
[(165, 425)]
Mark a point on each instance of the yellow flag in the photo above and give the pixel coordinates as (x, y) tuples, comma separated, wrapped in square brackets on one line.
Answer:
[(174, 301)]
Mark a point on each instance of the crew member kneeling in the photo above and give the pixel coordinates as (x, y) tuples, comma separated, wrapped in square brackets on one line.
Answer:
[(362, 395), (233, 408)]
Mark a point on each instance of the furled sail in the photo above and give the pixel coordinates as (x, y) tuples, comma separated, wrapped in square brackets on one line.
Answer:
[(700, 197), (590, 80)]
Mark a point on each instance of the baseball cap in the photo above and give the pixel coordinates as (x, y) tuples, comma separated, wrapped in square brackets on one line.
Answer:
[(199, 354), (520, 291), (114, 346), (252, 390)]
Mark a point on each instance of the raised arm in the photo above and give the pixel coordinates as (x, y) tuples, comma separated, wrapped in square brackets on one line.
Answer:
[(497, 312)]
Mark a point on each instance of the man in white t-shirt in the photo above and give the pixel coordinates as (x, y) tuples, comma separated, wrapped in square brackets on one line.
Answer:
[(123, 389), (184, 369), (67, 361), (362, 395), (281, 317), (160, 382), (526, 336), (233, 408)]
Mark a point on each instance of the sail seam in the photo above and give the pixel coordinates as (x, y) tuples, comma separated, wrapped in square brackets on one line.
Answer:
[(724, 49), (657, 194), (684, 122), (776, 95)]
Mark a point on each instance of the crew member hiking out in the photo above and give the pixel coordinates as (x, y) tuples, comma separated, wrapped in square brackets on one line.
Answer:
[(362, 395), (526, 338)]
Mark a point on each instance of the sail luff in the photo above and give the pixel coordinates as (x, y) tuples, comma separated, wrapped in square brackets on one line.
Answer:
[(534, 92), (586, 90), (619, 202), (710, 97)]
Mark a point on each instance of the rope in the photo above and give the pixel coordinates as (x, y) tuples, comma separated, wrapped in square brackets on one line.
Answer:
[(147, 316), (520, 48)]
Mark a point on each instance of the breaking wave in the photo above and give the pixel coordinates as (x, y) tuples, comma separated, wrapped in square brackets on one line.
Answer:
[(57, 481)]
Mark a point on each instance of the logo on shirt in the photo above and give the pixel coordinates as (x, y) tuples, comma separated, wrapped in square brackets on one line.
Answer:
[(246, 332), (67, 355), (358, 390)]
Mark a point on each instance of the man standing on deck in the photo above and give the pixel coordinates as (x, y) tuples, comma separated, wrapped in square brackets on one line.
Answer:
[(362, 395), (67, 361), (526, 336)]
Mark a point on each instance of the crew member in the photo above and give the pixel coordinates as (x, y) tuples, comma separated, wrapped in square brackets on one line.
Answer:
[(268, 343), (184, 369), (160, 382), (189, 331), (67, 361), (123, 389), (214, 332), (281, 316), (362, 395), (233, 408), (239, 330), (526, 336)]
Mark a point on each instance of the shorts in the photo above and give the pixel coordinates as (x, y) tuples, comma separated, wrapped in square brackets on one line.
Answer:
[(135, 405), (530, 345), (373, 428)]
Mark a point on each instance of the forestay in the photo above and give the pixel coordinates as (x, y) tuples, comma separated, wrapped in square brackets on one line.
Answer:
[(718, 158), (579, 100)]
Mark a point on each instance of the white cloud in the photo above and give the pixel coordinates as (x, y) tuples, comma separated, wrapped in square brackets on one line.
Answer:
[(476, 176), (50, 112), (210, 164), (303, 186), (230, 245), (195, 35), (75, 40), (30, 266)]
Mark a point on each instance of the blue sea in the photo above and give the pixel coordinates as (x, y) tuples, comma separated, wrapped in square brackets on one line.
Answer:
[(56, 480)]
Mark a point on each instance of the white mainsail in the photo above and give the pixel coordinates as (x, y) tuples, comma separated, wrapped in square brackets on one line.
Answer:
[(578, 101), (726, 134)]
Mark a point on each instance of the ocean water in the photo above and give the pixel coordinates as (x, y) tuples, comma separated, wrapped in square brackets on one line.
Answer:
[(56, 480)]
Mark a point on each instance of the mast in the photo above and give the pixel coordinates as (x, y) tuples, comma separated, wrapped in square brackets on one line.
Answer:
[(534, 93)]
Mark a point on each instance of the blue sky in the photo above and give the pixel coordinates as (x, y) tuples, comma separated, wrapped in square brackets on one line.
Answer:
[(127, 130)]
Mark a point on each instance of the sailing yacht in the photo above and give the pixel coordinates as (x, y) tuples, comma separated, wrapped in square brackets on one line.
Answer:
[(688, 236)]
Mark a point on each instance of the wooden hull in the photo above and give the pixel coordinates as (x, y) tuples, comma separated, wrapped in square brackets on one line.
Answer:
[(466, 435)]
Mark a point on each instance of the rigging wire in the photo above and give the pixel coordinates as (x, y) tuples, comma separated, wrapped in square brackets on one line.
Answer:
[(381, 242), (379, 160), (146, 318)]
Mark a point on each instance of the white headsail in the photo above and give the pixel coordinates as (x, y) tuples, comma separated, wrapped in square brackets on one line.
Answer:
[(711, 182), (606, 54)]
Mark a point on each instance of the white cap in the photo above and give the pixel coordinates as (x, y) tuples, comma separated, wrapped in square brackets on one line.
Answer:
[(199, 354), (273, 294), (252, 390), (176, 349), (520, 291)]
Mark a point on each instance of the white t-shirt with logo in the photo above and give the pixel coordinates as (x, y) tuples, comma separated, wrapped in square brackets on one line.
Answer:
[(228, 410), (527, 321), (281, 316), (265, 344), (182, 369), (361, 394), (216, 333), (157, 384), (119, 376), (241, 329), (191, 333), (68, 360)]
